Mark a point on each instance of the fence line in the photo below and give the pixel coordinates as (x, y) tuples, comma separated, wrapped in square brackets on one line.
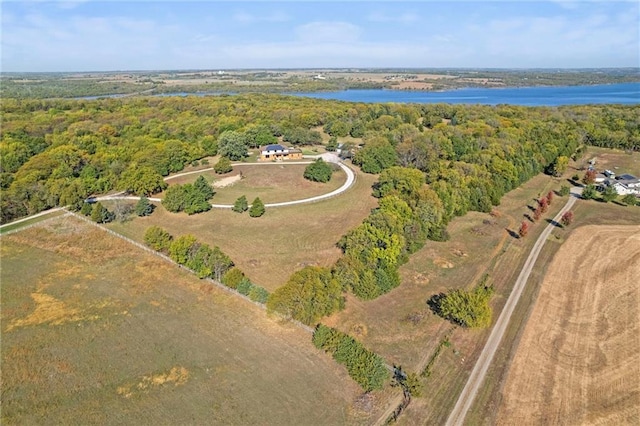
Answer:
[(168, 259), (38, 223)]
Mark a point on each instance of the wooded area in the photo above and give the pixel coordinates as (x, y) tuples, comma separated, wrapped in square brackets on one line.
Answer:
[(58, 152)]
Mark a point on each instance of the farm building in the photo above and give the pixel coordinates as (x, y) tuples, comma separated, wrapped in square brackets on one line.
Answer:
[(277, 152)]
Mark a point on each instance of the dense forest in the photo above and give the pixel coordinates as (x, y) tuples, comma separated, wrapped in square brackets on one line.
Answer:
[(58, 152), (434, 162)]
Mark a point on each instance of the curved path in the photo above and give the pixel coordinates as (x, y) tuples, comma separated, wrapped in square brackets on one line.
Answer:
[(484, 361), (351, 178)]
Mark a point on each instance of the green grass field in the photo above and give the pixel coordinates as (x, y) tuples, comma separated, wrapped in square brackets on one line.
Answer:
[(97, 331)]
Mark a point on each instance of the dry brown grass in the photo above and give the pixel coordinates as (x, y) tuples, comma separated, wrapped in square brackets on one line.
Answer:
[(273, 183), (130, 338), (579, 358), (270, 248)]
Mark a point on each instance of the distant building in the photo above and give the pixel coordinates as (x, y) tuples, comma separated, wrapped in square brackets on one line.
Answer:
[(277, 152), (624, 184)]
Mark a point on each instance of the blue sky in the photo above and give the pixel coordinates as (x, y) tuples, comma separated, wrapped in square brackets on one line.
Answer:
[(157, 35)]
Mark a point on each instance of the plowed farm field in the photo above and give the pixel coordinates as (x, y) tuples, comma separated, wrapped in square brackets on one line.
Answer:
[(578, 361)]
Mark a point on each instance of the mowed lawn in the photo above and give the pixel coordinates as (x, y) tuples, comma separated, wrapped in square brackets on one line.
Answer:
[(272, 182), (270, 248), (97, 331)]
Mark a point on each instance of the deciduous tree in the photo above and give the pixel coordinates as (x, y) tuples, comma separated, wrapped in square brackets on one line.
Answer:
[(567, 218), (318, 171), (223, 166), (524, 229), (309, 295)]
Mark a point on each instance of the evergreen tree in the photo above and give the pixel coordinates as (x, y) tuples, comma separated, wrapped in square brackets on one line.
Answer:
[(86, 209), (241, 205), (257, 208), (202, 186), (100, 214), (144, 207)]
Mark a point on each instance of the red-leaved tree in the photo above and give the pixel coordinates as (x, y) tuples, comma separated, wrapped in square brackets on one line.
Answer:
[(567, 218), (549, 197), (524, 229), (589, 177), (544, 204), (537, 213)]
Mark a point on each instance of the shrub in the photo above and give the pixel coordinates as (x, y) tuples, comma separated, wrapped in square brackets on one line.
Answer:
[(564, 191), (223, 166)]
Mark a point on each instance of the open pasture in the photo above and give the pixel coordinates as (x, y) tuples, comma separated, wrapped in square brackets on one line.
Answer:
[(97, 331), (578, 361), (270, 248), (272, 182)]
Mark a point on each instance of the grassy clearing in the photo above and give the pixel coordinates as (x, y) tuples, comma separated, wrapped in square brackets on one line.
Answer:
[(273, 183), (96, 329), (270, 248)]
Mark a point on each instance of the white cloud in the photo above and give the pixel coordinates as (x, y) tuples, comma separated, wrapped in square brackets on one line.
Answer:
[(339, 32), (248, 18), (404, 18)]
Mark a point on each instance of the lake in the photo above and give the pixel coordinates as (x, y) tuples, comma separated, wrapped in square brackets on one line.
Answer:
[(625, 93)]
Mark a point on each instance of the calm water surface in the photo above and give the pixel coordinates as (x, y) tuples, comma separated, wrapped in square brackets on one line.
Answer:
[(626, 93)]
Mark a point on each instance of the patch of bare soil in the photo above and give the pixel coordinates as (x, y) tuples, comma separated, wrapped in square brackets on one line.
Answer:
[(578, 361), (227, 181)]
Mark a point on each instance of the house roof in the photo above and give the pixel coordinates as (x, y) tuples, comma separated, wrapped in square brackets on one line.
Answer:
[(274, 147), (627, 177)]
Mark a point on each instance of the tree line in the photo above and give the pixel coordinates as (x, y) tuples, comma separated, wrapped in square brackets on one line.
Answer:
[(205, 261)]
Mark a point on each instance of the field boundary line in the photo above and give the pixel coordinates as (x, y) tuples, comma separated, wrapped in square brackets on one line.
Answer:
[(38, 223), (468, 394), (169, 260)]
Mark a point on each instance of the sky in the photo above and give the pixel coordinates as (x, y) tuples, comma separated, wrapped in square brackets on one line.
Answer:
[(42, 36)]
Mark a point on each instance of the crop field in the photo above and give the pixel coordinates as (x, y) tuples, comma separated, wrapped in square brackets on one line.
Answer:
[(578, 361), (270, 248), (97, 331), (272, 182)]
